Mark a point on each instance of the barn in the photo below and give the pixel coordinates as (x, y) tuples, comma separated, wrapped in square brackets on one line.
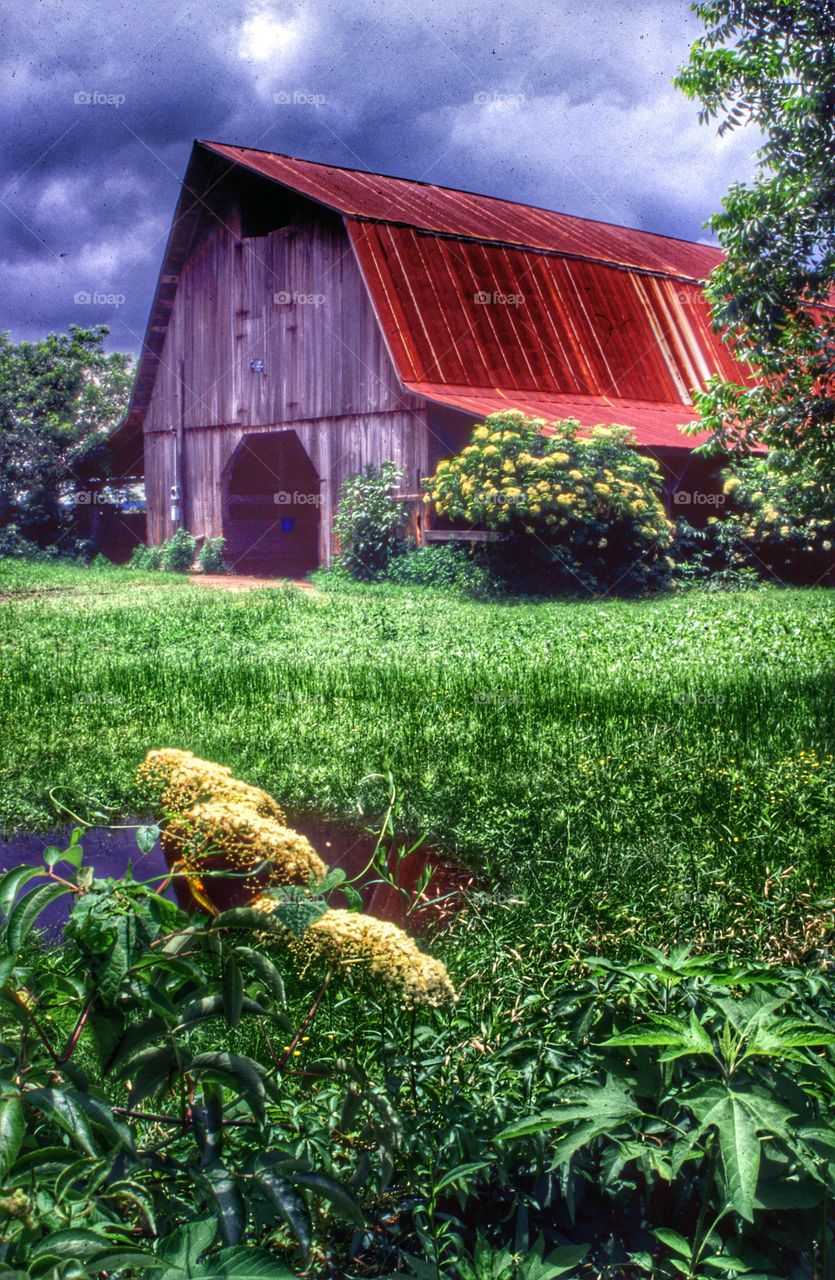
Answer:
[(310, 320)]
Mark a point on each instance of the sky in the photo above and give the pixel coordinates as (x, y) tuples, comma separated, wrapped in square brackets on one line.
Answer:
[(562, 104)]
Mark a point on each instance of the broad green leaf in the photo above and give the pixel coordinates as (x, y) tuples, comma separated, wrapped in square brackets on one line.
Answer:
[(242, 1263), (286, 1199), (12, 1129), (185, 1245), (233, 991), (299, 915), (333, 1191), (146, 838), (740, 1148)]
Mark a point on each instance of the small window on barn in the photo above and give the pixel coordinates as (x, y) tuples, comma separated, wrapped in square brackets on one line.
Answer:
[(265, 208)]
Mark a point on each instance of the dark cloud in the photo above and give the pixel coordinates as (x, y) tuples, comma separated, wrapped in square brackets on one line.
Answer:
[(564, 104)]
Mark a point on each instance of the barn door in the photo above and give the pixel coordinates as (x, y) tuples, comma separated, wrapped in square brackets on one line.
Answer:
[(271, 507)]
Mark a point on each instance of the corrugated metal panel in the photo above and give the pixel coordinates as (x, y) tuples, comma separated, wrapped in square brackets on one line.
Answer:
[(655, 425), (463, 213), (485, 316)]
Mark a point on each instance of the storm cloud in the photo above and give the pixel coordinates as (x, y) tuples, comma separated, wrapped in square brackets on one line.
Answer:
[(561, 104)]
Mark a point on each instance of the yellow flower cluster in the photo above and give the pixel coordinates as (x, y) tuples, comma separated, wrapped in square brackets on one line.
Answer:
[(381, 951), (178, 780), (519, 471), (219, 823), (231, 836)]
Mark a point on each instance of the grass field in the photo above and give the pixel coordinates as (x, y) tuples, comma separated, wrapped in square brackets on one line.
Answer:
[(565, 749)]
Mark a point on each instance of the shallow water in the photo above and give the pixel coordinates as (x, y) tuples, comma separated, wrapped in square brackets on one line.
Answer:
[(109, 850)]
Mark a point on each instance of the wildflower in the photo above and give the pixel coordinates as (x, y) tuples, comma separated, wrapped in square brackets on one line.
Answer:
[(565, 499), (178, 780), (230, 836), (380, 950)]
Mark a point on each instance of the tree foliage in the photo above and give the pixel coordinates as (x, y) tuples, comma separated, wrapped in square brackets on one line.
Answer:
[(771, 64), (60, 398)]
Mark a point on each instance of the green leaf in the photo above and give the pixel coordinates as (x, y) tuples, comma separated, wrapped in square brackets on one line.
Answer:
[(299, 915), (334, 1192), (233, 991), (12, 882), (12, 1129), (146, 838), (286, 1199), (461, 1173), (183, 1247), (230, 1203), (246, 918), (25, 913), (63, 1107), (673, 1241), (263, 967), (242, 1263), (241, 1073)]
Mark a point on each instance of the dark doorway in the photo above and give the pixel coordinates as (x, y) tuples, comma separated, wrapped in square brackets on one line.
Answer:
[(271, 507)]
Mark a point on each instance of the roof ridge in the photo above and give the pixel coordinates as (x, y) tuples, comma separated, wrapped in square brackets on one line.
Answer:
[(466, 191)]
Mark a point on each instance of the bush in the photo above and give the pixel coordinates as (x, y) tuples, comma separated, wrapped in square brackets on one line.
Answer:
[(211, 556), (146, 559), (448, 565), (14, 545), (782, 519), (178, 552), (369, 522), (586, 511)]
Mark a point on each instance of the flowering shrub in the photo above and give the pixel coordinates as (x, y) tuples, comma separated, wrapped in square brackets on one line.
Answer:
[(782, 521), (588, 506), (219, 826)]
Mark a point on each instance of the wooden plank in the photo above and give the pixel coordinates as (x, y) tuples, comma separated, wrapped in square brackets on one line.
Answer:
[(462, 535)]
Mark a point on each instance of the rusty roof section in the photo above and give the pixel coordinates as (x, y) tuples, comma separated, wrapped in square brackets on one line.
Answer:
[(447, 211)]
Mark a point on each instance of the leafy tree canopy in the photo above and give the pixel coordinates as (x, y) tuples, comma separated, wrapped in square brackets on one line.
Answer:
[(771, 63), (60, 398)]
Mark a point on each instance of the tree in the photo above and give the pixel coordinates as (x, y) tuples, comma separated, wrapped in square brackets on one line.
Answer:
[(771, 64), (60, 398)]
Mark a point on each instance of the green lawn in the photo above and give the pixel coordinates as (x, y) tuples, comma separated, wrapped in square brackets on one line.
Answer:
[(573, 748)]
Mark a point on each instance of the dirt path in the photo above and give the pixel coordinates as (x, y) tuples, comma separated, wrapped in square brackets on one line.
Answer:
[(240, 582)]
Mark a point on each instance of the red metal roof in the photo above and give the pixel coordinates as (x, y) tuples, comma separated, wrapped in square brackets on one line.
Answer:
[(358, 194), (655, 425), (484, 315)]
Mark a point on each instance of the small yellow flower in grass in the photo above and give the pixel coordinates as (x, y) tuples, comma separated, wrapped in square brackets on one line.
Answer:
[(565, 499), (575, 474)]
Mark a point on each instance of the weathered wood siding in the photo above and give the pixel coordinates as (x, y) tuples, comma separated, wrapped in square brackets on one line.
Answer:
[(293, 299)]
